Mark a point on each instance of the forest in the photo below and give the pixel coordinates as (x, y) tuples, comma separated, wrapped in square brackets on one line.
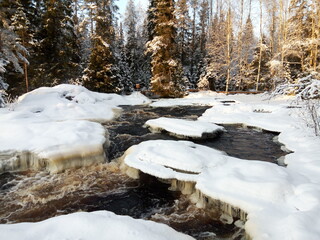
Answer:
[(172, 48)]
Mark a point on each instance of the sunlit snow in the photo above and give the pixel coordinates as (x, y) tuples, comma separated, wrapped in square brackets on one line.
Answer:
[(184, 128), (101, 225), (56, 128)]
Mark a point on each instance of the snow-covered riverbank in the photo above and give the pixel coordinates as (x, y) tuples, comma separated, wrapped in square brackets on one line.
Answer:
[(281, 202), (58, 128), (278, 202)]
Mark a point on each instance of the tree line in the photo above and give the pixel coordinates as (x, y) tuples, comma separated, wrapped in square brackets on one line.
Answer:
[(177, 45)]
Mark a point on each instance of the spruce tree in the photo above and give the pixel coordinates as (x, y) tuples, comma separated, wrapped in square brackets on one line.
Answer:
[(247, 52), (296, 47), (264, 72), (215, 73), (131, 46), (183, 31), (20, 24), (58, 50), (102, 72), (167, 80), (124, 69), (12, 52)]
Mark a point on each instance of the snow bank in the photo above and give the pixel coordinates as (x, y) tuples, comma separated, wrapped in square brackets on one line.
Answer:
[(200, 98), (100, 225), (49, 128), (53, 146), (184, 128), (70, 102), (276, 202)]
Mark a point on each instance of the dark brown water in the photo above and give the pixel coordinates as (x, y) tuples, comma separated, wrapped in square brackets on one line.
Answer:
[(35, 196), (245, 143)]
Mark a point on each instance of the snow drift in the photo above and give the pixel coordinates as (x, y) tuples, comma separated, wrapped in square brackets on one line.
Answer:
[(56, 128)]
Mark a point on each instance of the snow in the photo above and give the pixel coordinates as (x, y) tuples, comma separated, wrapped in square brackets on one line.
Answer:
[(208, 99), (280, 202), (66, 102), (53, 128), (100, 225), (184, 128)]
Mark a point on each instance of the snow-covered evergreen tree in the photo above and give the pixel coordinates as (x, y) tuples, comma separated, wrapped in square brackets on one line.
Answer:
[(265, 82), (143, 60), (102, 72), (58, 52), (301, 50), (183, 31), (124, 69), (167, 79), (20, 24), (216, 72), (131, 45), (248, 45), (11, 50)]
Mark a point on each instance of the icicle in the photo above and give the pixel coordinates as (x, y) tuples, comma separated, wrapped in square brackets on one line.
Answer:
[(195, 196), (226, 219), (174, 185)]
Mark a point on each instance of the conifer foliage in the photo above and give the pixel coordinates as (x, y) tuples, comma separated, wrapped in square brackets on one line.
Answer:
[(173, 46), (102, 73), (58, 50), (167, 79)]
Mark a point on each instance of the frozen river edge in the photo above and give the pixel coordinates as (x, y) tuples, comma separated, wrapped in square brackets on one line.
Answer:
[(280, 203), (275, 202)]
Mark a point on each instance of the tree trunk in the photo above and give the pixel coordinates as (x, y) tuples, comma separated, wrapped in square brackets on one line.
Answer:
[(228, 48), (240, 46), (260, 52)]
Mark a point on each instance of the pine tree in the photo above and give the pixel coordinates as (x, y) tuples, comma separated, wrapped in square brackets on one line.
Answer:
[(58, 52), (183, 31), (246, 46), (167, 80), (200, 54), (296, 49), (260, 67), (82, 31), (247, 56), (124, 69), (194, 44), (131, 46), (20, 24), (220, 54), (151, 19), (102, 72), (144, 58), (11, 51)]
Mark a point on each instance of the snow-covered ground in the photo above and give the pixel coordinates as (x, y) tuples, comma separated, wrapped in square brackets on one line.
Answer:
[(281, 202), (57, 128), (100, 225), (184, 128)]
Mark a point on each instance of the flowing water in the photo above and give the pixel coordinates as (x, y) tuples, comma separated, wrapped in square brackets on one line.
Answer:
[(35, 196), (245, 143)]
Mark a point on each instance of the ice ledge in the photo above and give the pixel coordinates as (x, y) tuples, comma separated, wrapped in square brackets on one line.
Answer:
[(184, 129), (11, 161), (99, 225), (261, 194), (51, 146)]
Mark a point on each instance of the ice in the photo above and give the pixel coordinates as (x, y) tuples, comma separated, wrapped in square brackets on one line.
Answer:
[(276, 202), (70, 102), (58, 128), (100, 225), (53, 146), (184, 128)]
